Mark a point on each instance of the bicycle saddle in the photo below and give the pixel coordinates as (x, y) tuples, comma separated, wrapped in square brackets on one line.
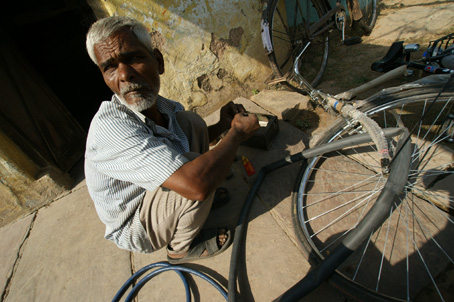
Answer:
[(448, 61), (392, 59)]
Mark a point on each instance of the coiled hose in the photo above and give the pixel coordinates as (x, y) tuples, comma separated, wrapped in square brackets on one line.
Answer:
[(164, 267)]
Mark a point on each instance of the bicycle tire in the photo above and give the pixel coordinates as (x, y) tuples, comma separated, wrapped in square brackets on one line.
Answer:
[(284, 35), (320, 224), (369, 10)]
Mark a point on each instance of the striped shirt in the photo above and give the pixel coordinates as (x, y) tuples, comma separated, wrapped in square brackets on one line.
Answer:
[(127, 154)]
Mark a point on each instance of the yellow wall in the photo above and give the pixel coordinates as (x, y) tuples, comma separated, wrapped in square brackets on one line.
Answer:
[(212, 48), (11, 158), (23, 187)]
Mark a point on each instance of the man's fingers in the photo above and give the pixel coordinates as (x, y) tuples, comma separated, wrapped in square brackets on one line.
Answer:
[(241, 108), (235, 108)]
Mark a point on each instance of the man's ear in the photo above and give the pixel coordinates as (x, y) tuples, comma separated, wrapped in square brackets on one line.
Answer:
[(158, 55)]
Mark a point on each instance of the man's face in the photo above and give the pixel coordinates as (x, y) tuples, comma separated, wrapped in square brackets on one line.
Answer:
[(129, 69)]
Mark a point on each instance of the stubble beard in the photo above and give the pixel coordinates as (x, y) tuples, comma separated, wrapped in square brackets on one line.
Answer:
[(139, 101)]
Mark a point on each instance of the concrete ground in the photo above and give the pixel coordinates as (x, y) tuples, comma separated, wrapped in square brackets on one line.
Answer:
[(59, 253)]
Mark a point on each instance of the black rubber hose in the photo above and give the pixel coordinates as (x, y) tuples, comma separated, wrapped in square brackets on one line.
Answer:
[(136, 275), (164, 266), (242, 221), (177, 269), (317, 276)]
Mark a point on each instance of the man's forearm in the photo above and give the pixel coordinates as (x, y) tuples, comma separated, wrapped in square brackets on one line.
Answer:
[(198, 178)]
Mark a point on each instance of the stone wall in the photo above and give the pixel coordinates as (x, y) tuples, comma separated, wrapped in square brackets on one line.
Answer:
[(212, 48)]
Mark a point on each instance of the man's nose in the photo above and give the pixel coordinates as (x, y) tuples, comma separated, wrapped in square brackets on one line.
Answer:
[(126, 72)]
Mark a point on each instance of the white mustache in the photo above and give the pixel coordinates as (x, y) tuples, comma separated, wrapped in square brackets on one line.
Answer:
[(134, 86)]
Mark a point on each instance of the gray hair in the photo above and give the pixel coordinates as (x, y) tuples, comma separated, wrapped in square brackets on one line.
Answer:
[(104, 28)]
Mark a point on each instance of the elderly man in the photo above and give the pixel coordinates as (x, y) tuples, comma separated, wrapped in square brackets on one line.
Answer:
[(147, 164)]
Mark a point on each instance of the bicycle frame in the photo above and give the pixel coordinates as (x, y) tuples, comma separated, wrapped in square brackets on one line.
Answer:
[(314, 29), (338, 105)]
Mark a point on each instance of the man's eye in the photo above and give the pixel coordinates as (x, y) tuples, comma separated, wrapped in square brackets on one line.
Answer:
[(108, 68), (131, 59)]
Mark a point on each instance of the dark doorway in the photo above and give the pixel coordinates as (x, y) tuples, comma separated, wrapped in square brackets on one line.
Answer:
[(51, 88), (51, 35)]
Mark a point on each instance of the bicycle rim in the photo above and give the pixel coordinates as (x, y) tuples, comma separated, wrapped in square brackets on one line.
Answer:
[(410, 254), (369, 10), (289, 35)]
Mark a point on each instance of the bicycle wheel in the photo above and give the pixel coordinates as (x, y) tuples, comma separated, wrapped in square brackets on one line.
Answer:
[(409, 256), (286, 32), (369, 10)]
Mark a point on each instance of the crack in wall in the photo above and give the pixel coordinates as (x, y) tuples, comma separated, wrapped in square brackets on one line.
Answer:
[(17, 261)]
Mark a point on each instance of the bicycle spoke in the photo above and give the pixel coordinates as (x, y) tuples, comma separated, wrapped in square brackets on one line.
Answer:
[(366, 198), (346, 190), (422, 258), (425, 230), (347, 231), (289, 30), (362, 256), (384, 250), (369, 158), (445, 215)]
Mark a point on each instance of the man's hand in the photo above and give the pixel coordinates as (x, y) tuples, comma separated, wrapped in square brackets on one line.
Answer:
[(227, 115), (228, 112), (196, 179), (245, 125)]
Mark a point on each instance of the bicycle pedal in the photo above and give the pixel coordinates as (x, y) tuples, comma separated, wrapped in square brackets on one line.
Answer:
[(352, 41)]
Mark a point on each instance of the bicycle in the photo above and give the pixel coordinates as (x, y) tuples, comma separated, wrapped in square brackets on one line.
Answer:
[(382, 225), (293, 27)]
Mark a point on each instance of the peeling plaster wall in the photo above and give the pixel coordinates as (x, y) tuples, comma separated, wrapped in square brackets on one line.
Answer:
[(212, 48)]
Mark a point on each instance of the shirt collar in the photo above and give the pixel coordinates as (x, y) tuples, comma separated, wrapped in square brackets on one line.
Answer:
[(170, 108)]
